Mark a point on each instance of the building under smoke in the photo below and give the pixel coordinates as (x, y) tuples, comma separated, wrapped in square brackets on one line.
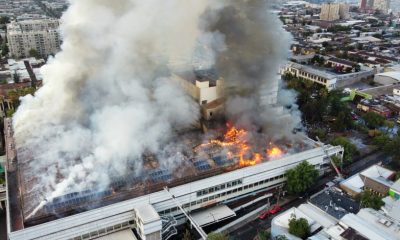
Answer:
[(110, 142)]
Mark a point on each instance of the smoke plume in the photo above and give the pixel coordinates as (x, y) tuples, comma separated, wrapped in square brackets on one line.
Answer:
[(107, 98)]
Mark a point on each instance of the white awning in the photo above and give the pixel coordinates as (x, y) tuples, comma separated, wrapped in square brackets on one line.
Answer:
[(213, 215), (121, 235)]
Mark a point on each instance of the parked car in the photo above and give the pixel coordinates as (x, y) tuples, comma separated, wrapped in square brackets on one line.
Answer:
[(264, 215), (275, 209)]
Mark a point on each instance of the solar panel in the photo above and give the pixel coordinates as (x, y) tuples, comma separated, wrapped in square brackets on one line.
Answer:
[(160, 175), (202, 165)]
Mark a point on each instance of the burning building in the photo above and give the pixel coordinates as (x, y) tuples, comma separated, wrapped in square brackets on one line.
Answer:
[(218, 172), (108, 142)]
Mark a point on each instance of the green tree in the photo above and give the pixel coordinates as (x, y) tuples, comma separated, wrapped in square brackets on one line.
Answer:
[(281, 237), (34, 53), (4, 20), (373, 120), (389, 125), (263, 235), (301, 178), (350, 150), (371, 200), (10, 112), (392, 149), (299, 227), (217, 236), (381, 140), (4, 49)]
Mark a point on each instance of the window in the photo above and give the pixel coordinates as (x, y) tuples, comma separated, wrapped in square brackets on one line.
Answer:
[(110, 229), (117, 226), (102, 231), (85, 236), (93, 234), (256, 184), (229, 192), (246, 187)]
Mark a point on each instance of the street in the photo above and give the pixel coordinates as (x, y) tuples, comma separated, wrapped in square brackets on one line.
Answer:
[(249, 231)]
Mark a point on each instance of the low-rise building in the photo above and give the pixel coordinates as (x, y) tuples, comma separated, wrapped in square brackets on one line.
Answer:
[(329, 79), (387, 78), (375, 178)]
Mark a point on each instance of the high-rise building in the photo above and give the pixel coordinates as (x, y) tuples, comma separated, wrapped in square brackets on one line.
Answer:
[(334, 11), (381, 5), (41, 35)]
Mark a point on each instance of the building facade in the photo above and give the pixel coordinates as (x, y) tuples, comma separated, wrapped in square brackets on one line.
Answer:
[(334, 11), (40, 35)]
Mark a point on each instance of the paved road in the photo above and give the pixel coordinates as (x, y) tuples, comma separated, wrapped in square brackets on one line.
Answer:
[(249, 231)]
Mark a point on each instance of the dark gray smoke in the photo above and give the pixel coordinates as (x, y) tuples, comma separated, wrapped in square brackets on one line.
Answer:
[(255, 46)]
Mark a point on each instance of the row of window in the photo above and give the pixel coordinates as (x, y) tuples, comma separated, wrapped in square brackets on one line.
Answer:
[(104, 231), (223, 194), (218, 187)]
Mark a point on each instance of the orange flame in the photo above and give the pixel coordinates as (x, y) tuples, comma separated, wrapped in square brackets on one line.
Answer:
[(274, 152), (235, 141)]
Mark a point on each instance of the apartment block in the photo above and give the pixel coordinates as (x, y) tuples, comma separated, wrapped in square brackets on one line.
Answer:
[(40, 35)]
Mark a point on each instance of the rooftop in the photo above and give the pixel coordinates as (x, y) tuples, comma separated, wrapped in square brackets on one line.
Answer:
[(394, 75), (373, 225), (334, 202), (147, 213)]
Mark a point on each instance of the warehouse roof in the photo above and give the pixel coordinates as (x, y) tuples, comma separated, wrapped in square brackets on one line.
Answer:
[(394, 75)]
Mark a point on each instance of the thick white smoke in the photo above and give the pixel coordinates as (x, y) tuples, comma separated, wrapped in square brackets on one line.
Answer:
[(107, 98)]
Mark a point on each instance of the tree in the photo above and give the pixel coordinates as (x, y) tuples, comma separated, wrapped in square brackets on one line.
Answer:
[(373, 120), (10, 112), (34, 53), (389, 125), (301, 178), (263, 235), (4, 20), (350, 150), (381, 140), (216, 236), (299, 227), (371, 200), (187, 235), (4, 49), (392, 148), (281, 237)]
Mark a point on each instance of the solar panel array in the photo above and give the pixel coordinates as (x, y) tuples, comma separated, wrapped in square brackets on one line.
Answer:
[(202, 165), (221, 160), (160, 175), (75, 198), (122, 181)]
